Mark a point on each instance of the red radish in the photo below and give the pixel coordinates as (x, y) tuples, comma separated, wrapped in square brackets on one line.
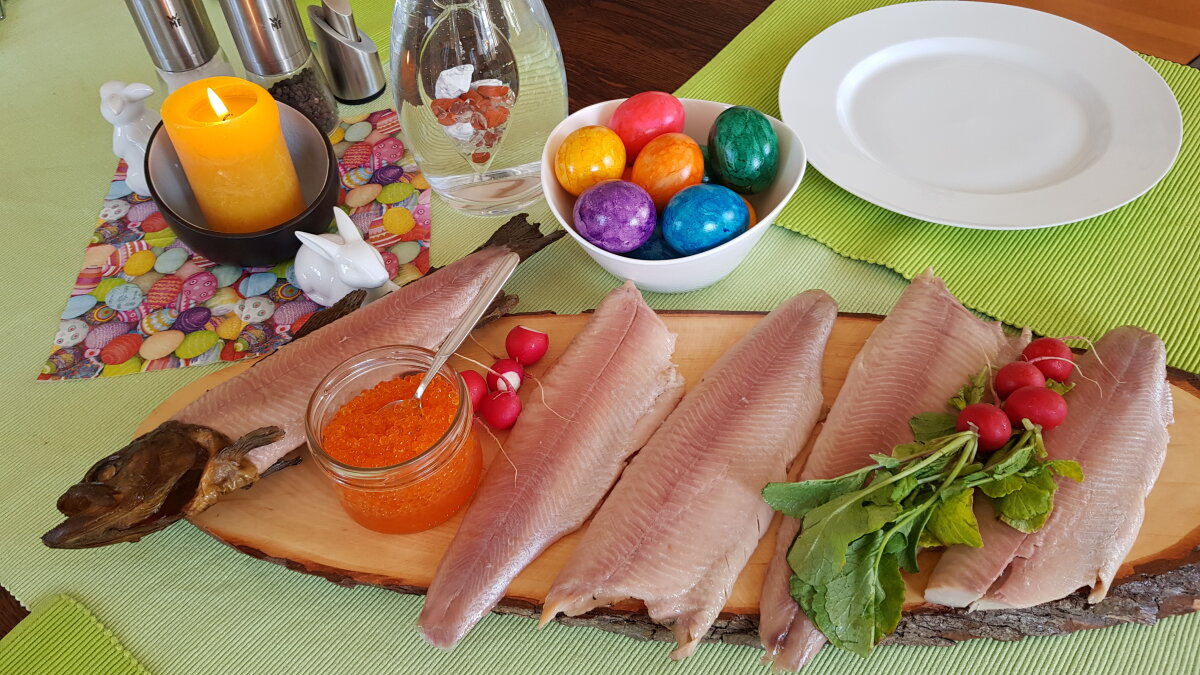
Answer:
[(989, 421), (1051, 356), (476, 388), (1016, 375), (526, 345), (505, 375), (1044, 407), (500, 409)]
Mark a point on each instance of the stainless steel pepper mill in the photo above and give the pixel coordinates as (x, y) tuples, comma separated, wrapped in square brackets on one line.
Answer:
[(350, 58)]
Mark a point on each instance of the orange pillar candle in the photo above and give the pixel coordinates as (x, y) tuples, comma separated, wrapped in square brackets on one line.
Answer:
[(235, 159)]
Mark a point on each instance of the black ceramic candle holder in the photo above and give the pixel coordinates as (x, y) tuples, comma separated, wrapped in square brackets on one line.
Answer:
[(316, 167)]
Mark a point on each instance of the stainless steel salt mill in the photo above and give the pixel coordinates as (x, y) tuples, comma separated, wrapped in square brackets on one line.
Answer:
[(350, 58), (180, 40), (275, 51)]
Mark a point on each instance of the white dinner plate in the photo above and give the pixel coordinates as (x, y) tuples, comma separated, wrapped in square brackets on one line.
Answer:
[(980, 115)]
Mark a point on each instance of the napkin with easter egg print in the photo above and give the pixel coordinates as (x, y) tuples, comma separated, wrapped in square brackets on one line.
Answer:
[(144, 301)]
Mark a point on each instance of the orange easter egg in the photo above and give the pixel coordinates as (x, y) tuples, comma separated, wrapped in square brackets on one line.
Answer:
[(668, 164)]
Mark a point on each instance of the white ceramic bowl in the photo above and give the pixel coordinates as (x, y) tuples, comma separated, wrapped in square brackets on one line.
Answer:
[(693, 271)]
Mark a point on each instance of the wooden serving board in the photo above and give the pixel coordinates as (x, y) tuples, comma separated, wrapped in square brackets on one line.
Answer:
[(293, 517)]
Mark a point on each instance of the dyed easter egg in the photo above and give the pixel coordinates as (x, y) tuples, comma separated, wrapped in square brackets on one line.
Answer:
[(230, 327), (337, 135), (146, 281), (195, 344), (226, 275), (192, 319), (188, 270), (703, 216), (170, 260), (164, 291), (395, 193), (363, 195), (655, 248), (200, 286), (357, 155), (135, 314), (124, 297), (120, 349), (71, 332), (289, 312), (78, 305), (101, 290), (406, 251), (356, 177), (387, 150), (139, 263), (141, 211), (223, 302), (358, 131), (118, 189), (256, 309), (668, 164), (385, 121), (154, 223), (229, 352), (355, 119), (98, 255), (127, 367), (752, 218), (280, 269), (418, 181), (114, 209), (743, 150), (391, 263), (283, 292), (159, 320), (340, 148), (99, 315), (161, 344), (398, 220), (373, 138), (422, 260), (99, 336), (587, 156), (645, 116), (616, 215), (387, 175), (253, 336), (256, 284), (408, 272), (160, 238)]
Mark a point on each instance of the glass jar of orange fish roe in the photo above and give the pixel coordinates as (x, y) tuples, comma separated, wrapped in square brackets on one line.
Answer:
[(405, 468)]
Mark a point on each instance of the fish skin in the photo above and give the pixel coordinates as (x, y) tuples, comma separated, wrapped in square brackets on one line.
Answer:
[(1116, 428), (685, 517), (614, 385), (917, 358), (275, 391)]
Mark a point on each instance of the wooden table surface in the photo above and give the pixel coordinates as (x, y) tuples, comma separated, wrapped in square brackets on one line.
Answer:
[(615, 49)]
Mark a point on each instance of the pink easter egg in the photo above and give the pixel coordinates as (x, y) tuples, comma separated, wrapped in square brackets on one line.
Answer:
[(289, 312), (141, 211), (187, 269), (388, 150), (101, 335), (200, 286), (386, 121), (89, 278), (375, 136), (392, 263)]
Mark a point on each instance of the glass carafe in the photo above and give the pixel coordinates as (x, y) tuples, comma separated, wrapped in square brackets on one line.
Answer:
[(479, 85)]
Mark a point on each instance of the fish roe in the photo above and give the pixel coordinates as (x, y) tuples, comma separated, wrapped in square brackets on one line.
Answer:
[(410, 498)]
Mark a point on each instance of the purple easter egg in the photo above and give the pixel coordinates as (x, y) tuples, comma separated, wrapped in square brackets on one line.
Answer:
[(386, 175), (615, 215), (192, 319)]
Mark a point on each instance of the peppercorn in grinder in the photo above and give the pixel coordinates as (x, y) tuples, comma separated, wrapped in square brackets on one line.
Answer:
[(275, 52)]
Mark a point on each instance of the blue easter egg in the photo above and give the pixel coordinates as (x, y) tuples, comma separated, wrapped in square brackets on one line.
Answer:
[(256, 284), (290, 275), (78, 305), (655, 248), (226, 274), (118, 189), (703, 216), (124, 298)]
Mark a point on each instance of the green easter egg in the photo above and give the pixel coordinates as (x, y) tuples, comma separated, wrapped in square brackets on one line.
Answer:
[(395, 193), (196, 344), (101, 290), (743, 150), (133, 365)]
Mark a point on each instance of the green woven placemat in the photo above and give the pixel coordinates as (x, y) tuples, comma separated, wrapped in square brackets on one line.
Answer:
[(61, 637), (1137, 265), (185, 603)]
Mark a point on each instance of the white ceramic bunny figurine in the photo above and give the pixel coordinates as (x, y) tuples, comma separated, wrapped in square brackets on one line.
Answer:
[(121, 104), (329, 266)]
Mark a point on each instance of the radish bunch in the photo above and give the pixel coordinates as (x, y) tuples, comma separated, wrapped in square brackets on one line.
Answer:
[(1024, 387), (494, 398)]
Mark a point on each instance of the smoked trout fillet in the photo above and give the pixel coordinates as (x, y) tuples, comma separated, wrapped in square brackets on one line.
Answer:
[(687, 514), (275, 392), (1116, 428), (917, 358), (603, 398)]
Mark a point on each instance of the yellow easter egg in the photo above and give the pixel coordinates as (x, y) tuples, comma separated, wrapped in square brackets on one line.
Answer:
[(355, 119), (336, 136), (408, 272), (160, 239), (133, 365), (398, 220), (139, 263), (230, 327), (418, 181)]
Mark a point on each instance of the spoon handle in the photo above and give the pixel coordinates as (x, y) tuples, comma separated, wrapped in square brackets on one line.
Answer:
[(482, 301)]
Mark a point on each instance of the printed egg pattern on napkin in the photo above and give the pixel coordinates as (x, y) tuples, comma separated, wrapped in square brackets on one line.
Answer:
[(144, 301)]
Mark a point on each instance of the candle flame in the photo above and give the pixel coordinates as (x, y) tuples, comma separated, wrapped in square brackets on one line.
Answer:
[(218, 105)]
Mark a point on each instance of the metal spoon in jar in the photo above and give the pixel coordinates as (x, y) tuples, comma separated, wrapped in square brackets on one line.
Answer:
[(487, 293)]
